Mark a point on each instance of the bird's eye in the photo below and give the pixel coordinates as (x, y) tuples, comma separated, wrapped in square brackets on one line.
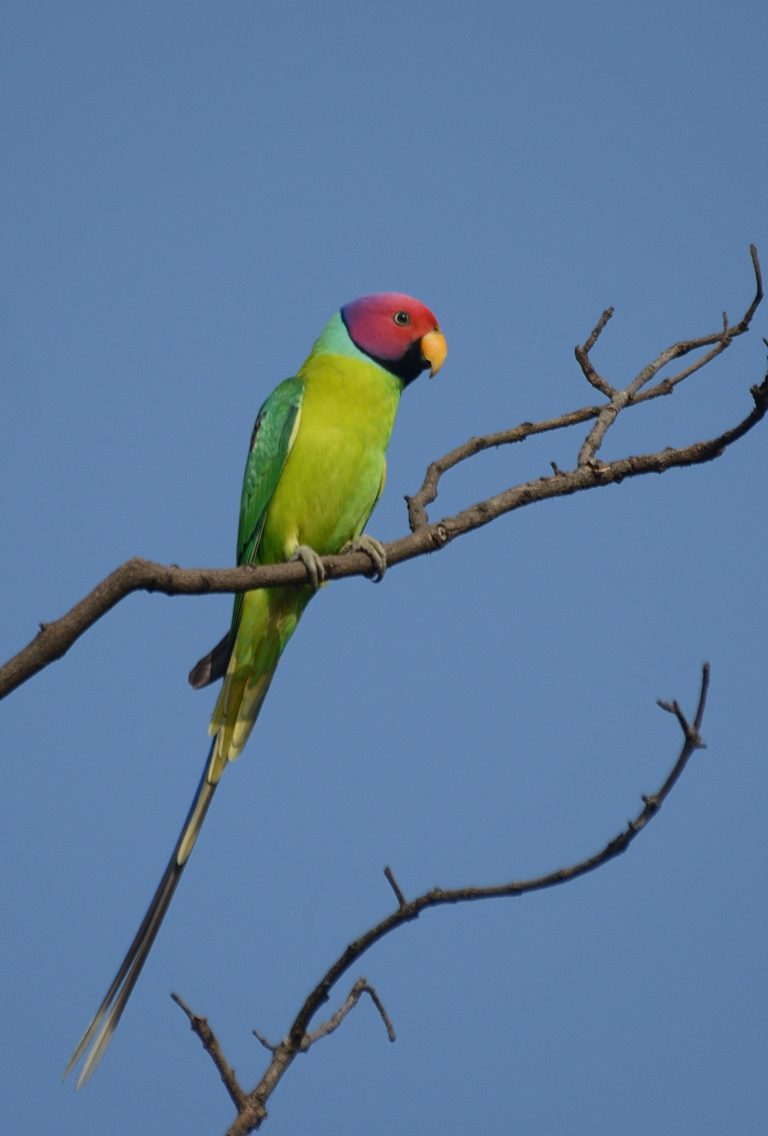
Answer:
[(401, 318)]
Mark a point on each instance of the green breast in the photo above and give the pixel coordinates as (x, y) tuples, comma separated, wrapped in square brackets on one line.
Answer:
[(336, 468)]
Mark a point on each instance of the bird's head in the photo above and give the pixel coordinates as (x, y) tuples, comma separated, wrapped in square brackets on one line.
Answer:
[(397, 332)]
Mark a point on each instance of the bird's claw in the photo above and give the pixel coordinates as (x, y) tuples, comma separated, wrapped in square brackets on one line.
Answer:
[(313, 564), (374, 549)]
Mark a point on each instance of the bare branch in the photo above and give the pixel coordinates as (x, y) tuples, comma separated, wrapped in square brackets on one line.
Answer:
[(361, 987), (395, 886), (55, 638), (262, 1040), (417, 516), (252, 1107), (582, 356), (211, 1046), (619, 399)]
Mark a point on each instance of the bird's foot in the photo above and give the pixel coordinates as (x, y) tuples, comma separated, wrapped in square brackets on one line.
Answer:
[(373, 549), (312, 563)]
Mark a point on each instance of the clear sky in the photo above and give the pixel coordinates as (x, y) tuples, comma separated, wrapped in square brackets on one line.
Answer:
[(189, 191)]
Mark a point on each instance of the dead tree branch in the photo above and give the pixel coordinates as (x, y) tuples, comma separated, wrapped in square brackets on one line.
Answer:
[(252, 1106), (54, 639)]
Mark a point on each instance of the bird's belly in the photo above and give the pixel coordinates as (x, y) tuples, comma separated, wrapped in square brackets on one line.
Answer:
[(324, 497)]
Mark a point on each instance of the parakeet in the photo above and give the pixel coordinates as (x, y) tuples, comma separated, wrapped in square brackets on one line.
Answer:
[(315, 469)]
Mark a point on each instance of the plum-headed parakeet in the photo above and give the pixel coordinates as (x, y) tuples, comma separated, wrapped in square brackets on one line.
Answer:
[(315, 470)]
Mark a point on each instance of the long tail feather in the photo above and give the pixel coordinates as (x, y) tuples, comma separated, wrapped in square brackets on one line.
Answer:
[(104, 1023), (245, 686)]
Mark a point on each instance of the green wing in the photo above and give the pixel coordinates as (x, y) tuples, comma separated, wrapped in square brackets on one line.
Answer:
[(271, 441)]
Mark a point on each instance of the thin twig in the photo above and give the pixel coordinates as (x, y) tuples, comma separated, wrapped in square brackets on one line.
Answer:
[(262, 1040), (584, 361), (211, 1046), (395, 886), (332, 1024), (718, 342)]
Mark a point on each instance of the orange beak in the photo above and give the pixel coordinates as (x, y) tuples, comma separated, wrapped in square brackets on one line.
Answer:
[(434, 349)]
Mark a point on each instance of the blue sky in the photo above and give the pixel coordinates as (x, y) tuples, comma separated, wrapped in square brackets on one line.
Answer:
[(189, 192)]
